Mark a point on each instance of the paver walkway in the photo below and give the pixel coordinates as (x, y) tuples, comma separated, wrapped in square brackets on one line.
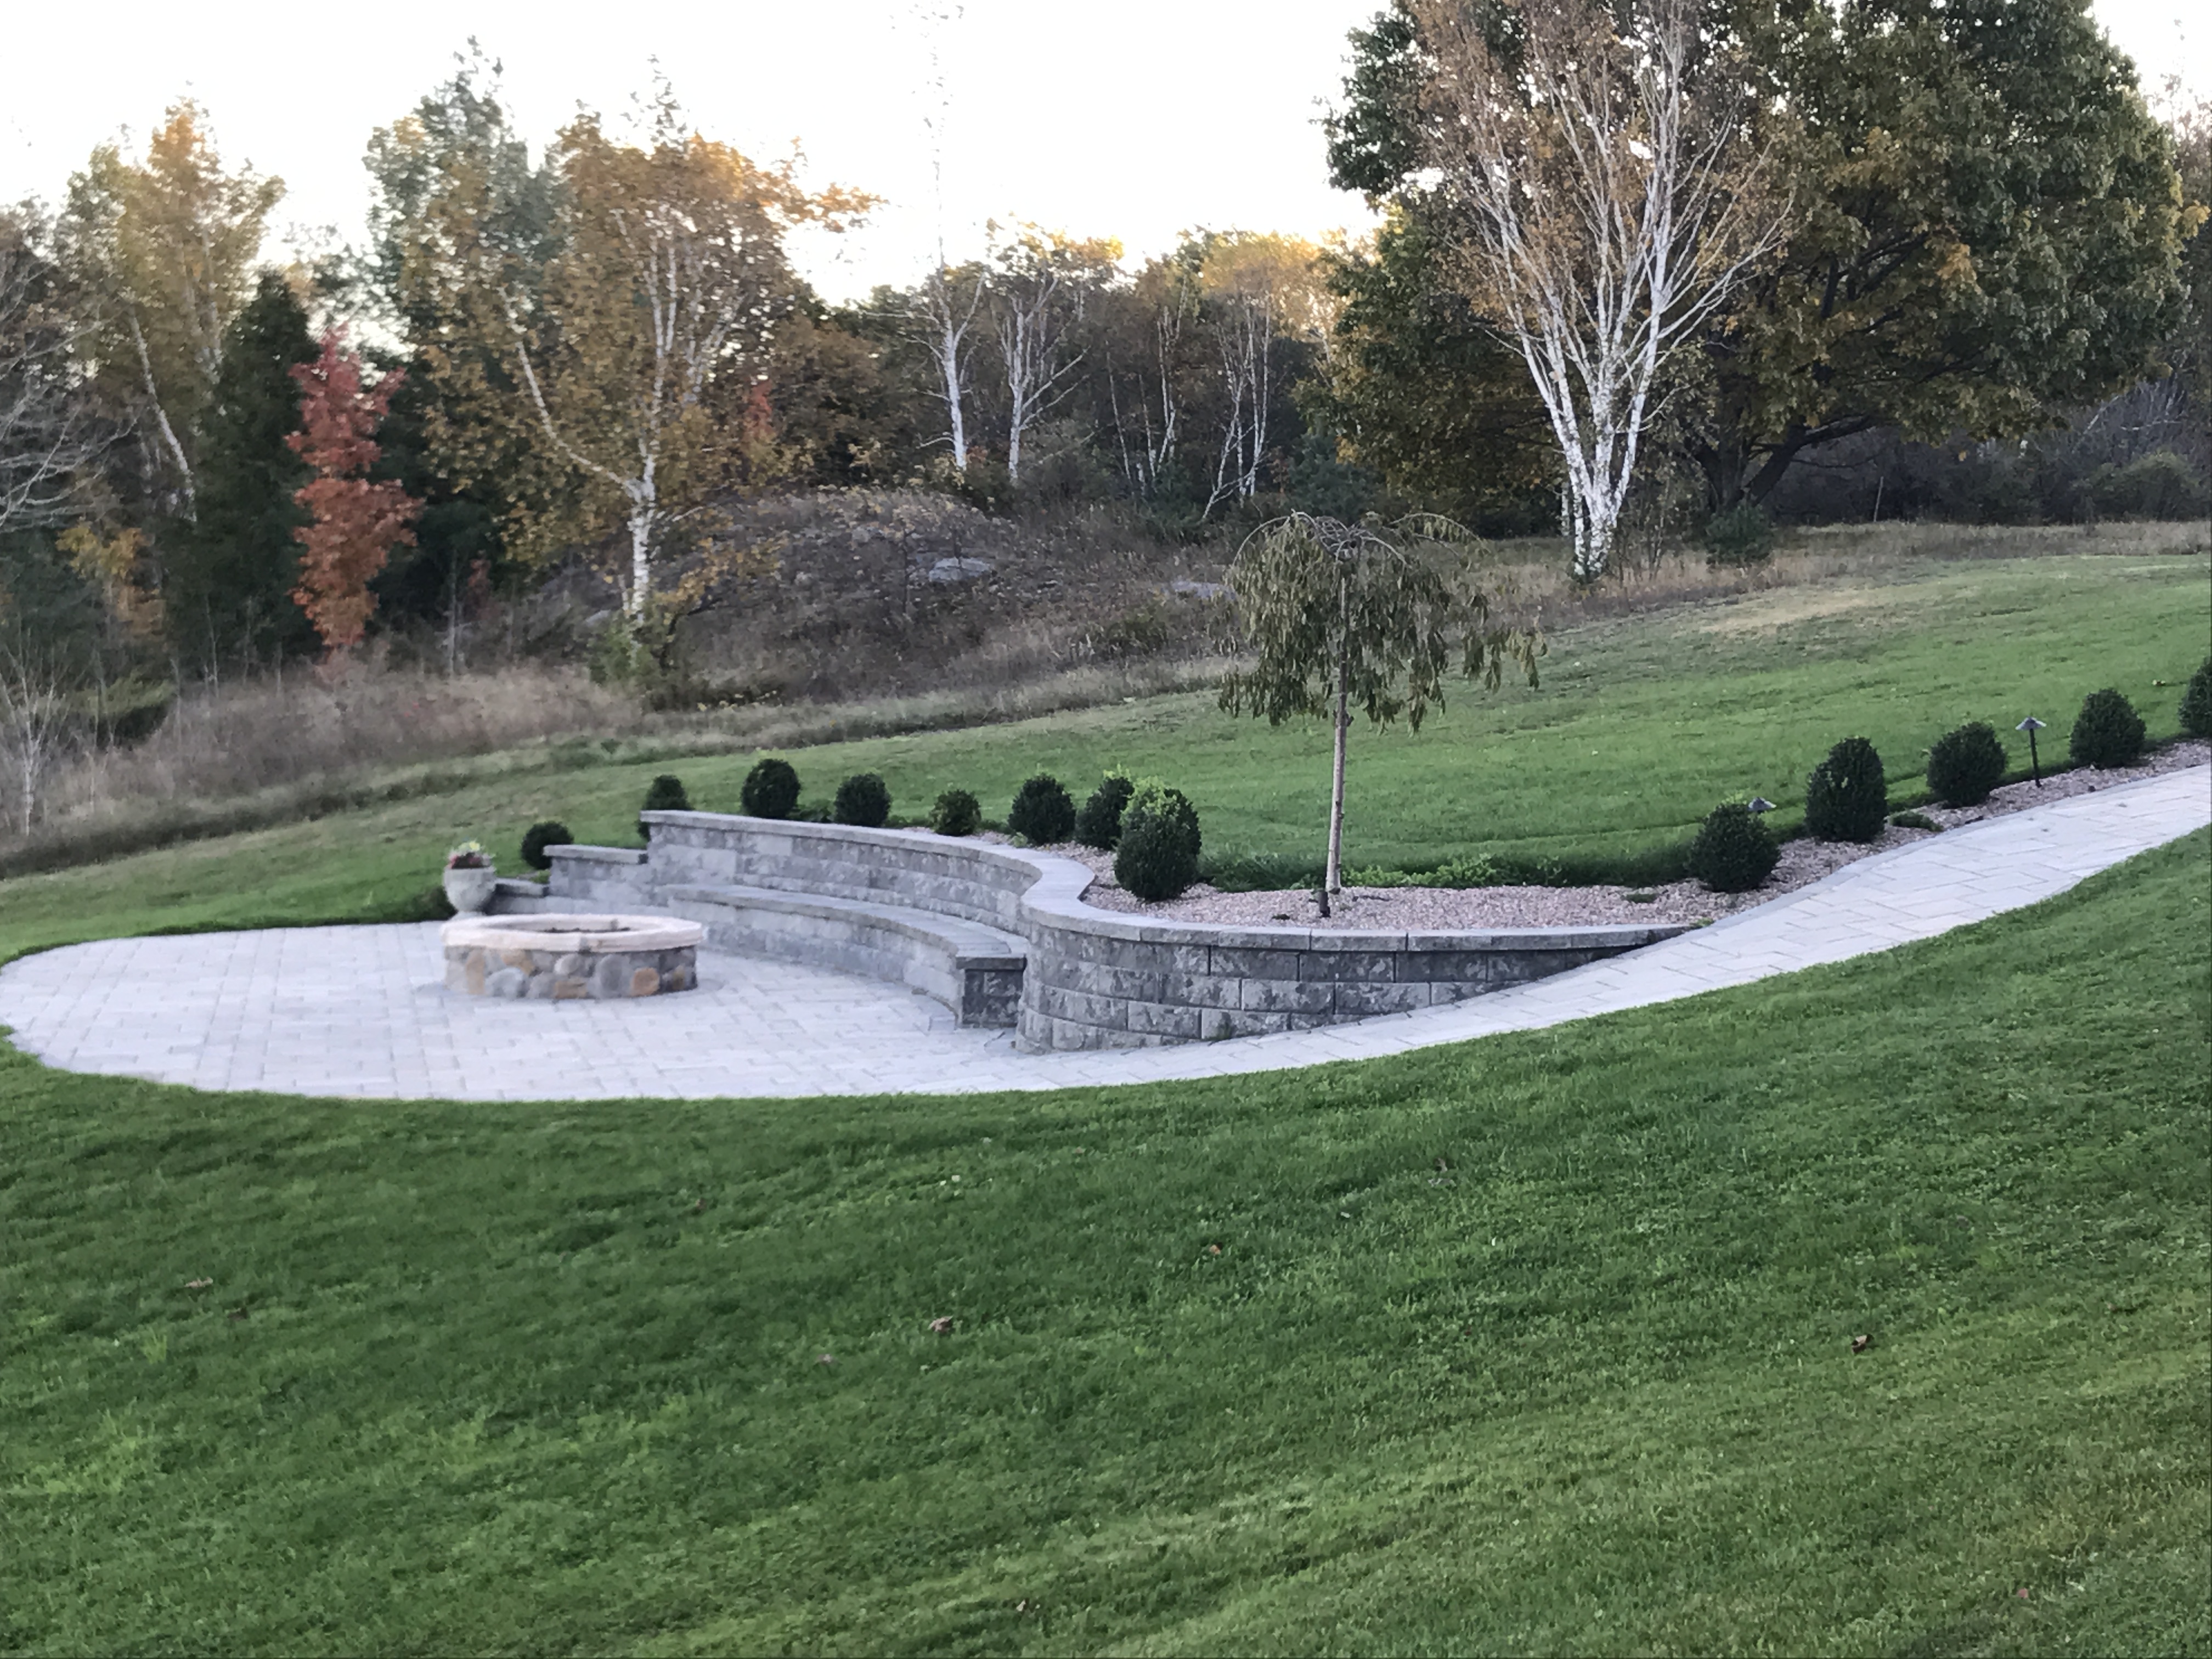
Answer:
[(363, 1011)]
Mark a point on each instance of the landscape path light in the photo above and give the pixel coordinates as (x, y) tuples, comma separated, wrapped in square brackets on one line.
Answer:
[(1759, 803), (2032, 725)]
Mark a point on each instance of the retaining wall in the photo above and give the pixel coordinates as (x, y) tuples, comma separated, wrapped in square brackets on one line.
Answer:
[(1092, 979)]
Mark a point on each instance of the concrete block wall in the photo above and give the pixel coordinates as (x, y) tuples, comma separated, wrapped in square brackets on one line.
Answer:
[(1093, 979)]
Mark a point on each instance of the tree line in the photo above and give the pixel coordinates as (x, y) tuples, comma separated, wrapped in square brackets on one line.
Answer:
[(1644, 253)]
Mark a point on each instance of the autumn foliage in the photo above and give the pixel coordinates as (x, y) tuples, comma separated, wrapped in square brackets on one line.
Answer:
[(357, 523)]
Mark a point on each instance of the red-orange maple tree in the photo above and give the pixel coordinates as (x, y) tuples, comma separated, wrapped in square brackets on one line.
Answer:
[(357, 523)]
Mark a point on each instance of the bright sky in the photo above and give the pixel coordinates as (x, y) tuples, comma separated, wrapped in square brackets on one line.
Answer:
[(1137, 118)]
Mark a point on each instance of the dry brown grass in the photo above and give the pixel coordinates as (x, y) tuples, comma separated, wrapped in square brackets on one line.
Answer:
[(251, 754)]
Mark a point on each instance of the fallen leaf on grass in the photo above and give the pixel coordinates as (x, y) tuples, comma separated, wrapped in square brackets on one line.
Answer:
[(941, 1326), (198, 1284), (1213, 1249), (1859, 1344), (827, 1359)]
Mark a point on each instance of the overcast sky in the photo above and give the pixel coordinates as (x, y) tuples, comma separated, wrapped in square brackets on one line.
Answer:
[(1137, 118)]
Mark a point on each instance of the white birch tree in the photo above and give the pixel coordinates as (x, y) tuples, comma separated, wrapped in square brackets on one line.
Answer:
[(655, 328), (945, 312), (1037, 295), (1607, 196)]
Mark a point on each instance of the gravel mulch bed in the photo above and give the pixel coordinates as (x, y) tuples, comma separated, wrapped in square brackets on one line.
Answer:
[(1391, 908)]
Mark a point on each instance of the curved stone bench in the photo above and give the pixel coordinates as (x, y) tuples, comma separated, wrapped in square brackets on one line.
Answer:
[(974, 970), (886, 902)]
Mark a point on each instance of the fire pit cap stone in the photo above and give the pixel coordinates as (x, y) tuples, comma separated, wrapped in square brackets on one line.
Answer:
[(598, 932)]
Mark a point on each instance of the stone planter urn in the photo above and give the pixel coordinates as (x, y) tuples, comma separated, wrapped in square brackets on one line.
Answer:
[(468, 891)]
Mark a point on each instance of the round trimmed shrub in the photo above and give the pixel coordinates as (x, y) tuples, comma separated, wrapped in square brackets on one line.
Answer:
[(1099, 823), (1964, 765), (2107, 731), (864, 799), (771, 790), (1734, 850), (1846, 797), (664, 795), (1042, 814), (539, 837), (956, 813), (2196, 702), (1157, 857)]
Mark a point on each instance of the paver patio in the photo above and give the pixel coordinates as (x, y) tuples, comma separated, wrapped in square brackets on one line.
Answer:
[(363, 1012)]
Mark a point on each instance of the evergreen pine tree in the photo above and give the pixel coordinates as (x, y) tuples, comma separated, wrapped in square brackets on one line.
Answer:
[(228, 591)]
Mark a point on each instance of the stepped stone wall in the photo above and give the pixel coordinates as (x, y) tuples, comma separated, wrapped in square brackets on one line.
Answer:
[(1088, 978)]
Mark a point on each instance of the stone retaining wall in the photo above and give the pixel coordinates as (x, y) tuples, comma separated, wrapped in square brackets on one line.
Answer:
[(1093, 979)]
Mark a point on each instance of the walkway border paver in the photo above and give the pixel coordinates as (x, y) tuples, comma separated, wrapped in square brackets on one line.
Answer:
[(361, 1011)]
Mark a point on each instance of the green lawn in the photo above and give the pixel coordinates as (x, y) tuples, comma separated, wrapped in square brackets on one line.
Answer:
[(1639, 727), (1542, 1342)]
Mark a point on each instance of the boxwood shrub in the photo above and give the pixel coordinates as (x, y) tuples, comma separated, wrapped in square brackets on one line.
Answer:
[(771, 790), (1042, 814), (1157, 857), (956, 813), (1099, 823), (863, 798), (2196, 702), (550, 832), (664, 795), (2107, 731), (1734, 851), (1846, 797), (1964, 765)]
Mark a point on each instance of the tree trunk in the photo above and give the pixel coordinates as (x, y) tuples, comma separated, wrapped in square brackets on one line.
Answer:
[(1332, 880), (948, 361), (641, 517)]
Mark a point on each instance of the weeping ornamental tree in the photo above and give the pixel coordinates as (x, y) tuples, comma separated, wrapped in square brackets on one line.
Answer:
[(1368, 615)]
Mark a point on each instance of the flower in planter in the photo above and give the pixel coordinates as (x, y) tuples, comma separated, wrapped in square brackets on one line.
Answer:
[(469, 855)]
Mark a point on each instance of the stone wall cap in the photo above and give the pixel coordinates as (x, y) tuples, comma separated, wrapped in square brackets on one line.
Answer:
[(597, 932), (599, 855)]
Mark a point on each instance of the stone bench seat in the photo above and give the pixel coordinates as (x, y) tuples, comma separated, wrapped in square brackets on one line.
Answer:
[(974, 970)]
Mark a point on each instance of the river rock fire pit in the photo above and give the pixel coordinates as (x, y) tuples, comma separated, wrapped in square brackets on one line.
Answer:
[(563, 957)]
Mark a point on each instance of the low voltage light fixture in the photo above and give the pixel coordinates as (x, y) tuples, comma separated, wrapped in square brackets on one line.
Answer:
[(1759, 803), (2032, 725)]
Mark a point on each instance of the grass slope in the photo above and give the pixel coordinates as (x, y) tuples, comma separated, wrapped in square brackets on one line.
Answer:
[(552, 1379)]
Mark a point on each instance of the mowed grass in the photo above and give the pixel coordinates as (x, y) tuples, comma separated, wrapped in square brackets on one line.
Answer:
[(1639, 727), (1542, 1342)]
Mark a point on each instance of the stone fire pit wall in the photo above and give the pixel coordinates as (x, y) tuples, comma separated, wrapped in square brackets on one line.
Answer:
[(1092, 979), (566, 957)]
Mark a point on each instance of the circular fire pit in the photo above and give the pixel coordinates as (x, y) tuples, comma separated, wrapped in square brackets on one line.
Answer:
[(562, 957)]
